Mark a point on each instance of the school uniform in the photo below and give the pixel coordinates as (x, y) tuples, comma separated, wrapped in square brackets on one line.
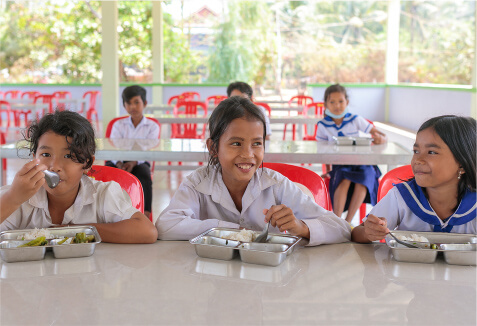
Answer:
[(146, 129), (405, 207), (367, 175), (203, 202), (96, 202)]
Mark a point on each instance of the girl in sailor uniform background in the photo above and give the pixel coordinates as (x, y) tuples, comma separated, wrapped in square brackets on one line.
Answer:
[(350, 185), (441, 197)]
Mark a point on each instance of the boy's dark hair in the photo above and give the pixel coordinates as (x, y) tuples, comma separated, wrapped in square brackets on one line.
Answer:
[(132, 91), (68, 124), (336, 88), (459, 134), (228, 110), (242, 87)]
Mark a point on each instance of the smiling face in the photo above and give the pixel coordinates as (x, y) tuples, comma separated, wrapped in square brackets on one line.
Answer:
[(135, 106), (433, 163), (240, 152), (54, 153), (336, 103)]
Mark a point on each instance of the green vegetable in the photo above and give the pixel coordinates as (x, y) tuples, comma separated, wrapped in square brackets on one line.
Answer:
[(40, 241), (63, 241), (81, 237)]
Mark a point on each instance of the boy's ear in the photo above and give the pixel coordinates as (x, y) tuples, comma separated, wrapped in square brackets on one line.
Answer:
[(145, 103), (85, 171)]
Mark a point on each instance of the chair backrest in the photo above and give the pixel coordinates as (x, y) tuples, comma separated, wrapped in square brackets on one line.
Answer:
[(109, 128), (47, 99), (30, 95), (318, 108), (306, 177), (176, 98), (300, 100), (265, 106), (126, 180), (191, 96), (395, 176), (92, 98), (12, 94), (215, 99), (5, 108), (62, 94), (188, 130)]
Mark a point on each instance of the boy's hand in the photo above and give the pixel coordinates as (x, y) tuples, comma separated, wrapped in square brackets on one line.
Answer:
[(27, 181), (128, 166), (375, 227), (282, 217)]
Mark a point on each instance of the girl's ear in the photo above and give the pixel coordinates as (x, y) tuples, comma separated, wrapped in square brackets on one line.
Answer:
[(210, 147)]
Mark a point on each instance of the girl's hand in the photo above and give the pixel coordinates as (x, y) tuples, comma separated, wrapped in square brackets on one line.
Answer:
[(128, 166), (375, 227), (378, 136), (282, 217), (27, 181)]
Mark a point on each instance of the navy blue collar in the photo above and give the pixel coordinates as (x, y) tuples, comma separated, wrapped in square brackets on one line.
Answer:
[(416, 200), (329, 123)]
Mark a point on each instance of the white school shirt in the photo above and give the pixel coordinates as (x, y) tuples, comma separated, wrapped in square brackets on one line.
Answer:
[(399, 216), (203, 202), (96, 202), (124, 128), (352, 125)]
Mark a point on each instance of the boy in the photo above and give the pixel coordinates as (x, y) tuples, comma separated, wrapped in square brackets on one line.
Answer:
[(136, 127), (245, 90)]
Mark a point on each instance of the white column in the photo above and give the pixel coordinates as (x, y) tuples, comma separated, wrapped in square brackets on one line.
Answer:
[(109, 61), (473, 102), (157, 52), (392, 49)]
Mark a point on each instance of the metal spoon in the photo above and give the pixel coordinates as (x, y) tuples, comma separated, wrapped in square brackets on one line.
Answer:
[(402, 242), (262, 237), (52, 178)]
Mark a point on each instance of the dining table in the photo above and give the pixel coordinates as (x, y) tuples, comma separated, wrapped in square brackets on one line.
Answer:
[(167, 283), (194, 150)]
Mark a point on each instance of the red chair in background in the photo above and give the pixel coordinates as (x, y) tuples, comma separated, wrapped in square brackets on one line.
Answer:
[(4, 160), (265, 106), (126, 180), (2, 94), (298, 100), (176, 98), (394, 176), (191, 96), (46, 99), (318, 108), (307, 178), (30, 95), (13, 95), (215, 100), (6, 109), (91, 111), (188, 130), (62, 95)]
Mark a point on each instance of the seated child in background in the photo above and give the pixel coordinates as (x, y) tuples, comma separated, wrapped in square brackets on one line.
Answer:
[(245, 90), (350, 185), (232, 191), (136, 127), (441, 197), (64, 142)]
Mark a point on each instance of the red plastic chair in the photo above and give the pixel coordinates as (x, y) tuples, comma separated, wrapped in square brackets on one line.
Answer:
[(5, 108), (188, 130), (13, 95), (2, 94), (30, 95), (298, 100), (62, 95), (395, 176), (265, 106), (126, 180), (4, 160), (215, 100), (191, 96), (306, 177), (91, 111), (318, 109), (176, 98), (46, 99)]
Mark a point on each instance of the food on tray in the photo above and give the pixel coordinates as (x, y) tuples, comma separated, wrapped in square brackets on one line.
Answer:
[(40, 241), (83, 238), (243, 235), (66, 240), (415, 238), (35, 233)]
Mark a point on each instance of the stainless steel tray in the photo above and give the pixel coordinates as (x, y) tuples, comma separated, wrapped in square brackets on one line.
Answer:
[(9, 251), (458, 249), (211, 244), (349, 141)]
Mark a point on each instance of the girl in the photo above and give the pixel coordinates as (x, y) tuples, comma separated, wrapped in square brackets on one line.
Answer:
[(64, 142), (350, 185), (232, 192), (441, 196)]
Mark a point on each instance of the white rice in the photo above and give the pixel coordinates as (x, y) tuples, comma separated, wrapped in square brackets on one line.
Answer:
[(33, 234), (412, 237), (243, 235)]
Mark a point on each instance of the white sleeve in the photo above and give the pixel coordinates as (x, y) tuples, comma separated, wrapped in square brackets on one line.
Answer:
[(321, 133), (113, 204), (325, 227), (153, 132), (181, 219), (363, 124), (116, 131), (390, 208)]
